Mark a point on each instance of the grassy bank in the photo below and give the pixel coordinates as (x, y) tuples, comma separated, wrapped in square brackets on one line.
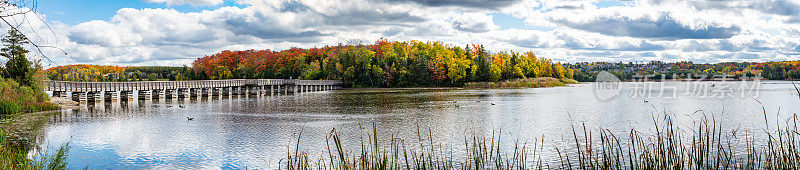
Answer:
[(19, 98), (18, 136), (22, 112), (523, 83)]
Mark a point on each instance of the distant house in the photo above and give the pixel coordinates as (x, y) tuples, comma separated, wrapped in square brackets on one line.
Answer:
[(111, 76)]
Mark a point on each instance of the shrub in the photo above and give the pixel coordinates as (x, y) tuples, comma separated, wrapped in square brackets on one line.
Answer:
[(518, 83), (39, 106), (8, 107), (569, 81)]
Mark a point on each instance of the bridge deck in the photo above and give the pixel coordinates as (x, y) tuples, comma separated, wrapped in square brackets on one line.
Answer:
[(160, 85)]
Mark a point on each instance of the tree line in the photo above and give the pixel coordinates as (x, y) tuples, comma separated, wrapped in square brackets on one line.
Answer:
[(775, 70), (382, 64), (98, 73)]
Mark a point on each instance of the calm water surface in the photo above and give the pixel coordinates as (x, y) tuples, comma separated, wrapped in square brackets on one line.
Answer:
[(256, 132)]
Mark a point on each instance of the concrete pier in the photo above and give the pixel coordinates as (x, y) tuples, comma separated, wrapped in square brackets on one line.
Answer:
[(149, 90)]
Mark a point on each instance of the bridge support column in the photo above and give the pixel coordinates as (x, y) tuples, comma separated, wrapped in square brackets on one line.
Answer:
[(263, 90), (215, 92), (192, 92), (110, 96), (125, 95), (182, 93), (170, 93), (59, 94), (78, 96), (156, 94), (143, 95), (92, 96)]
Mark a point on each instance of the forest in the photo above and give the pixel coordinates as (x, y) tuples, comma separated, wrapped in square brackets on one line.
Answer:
[(382, 64), (410, 64), (98, 73)]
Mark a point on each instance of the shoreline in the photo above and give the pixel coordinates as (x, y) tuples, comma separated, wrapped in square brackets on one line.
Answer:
[(65, 103)]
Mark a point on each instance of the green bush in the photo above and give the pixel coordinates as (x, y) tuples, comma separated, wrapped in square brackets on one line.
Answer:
[(8, 107), (569, 81), (20, 98), (518, 83)]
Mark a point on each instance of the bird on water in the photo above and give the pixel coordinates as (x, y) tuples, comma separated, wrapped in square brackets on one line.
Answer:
[(190, 118)]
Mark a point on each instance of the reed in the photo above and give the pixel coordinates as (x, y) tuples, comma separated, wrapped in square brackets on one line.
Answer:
[(420, 153), (17, 137), (705, 146)]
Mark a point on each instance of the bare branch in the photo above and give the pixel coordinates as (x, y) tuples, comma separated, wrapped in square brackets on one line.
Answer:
[(33, 6)]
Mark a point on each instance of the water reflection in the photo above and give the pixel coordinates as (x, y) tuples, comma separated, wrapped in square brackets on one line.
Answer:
[(255, 132)]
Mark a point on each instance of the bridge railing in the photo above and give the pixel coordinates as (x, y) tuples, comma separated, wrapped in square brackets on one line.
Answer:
[(157, 85)]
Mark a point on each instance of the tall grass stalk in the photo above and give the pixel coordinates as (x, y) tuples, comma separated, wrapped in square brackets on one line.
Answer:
[(420, 153), (706, 145), (17, 138)]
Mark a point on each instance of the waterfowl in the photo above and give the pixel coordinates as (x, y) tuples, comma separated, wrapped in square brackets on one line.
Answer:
[(190, 118)]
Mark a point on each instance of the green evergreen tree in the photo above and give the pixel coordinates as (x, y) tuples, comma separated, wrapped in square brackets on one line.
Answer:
[(17, 65)]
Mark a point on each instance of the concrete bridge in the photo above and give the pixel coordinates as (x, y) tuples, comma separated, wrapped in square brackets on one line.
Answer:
[(112, 91)]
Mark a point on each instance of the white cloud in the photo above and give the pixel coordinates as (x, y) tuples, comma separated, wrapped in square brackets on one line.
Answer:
[(187, 2), (702, 31), (473, 22)]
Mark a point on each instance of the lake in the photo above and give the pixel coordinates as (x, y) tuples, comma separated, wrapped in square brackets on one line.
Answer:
[(257, 132)]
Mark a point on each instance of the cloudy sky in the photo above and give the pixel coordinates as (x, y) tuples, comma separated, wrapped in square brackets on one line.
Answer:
[(175, 32)]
